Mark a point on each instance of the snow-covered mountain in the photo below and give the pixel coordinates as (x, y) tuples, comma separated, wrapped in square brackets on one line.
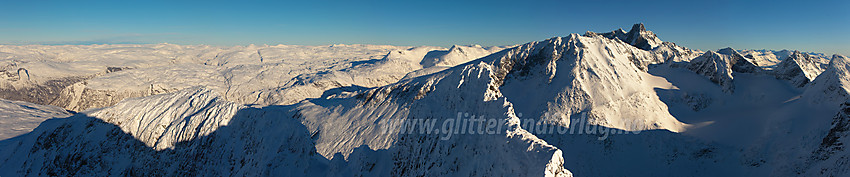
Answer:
[(769, 59), (212, 136), (588, 74), (720, 67), (833, 85), (82, 77), (18, 117), (659, 51), (831, 156), (629, 104), (798, 68), (456, 55), (638, 36)]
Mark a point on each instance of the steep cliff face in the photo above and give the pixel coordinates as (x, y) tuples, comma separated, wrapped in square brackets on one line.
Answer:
[(638, 36), (457, 55), (798, 68), (832, 153)]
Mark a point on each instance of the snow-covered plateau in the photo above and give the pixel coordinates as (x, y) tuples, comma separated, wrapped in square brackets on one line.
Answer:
[(629, 104)]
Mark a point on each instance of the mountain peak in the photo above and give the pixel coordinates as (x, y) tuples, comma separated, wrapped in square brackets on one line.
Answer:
[(719, 66), (620, 30), (638, 28), (638, 36), (727, 51), (569, 66), (833, 85), (839, 62), (137, 116), (715, 68), (710, 53), (799, 68)]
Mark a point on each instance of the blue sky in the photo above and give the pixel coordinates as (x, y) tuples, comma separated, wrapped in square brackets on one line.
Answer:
[(816, 26)]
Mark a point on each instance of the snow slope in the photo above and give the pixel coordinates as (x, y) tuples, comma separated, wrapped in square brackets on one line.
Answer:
[(205, 137), (195, 131), (831, 156), (18, 117), (774, 126), (341, 124), (638, 36)]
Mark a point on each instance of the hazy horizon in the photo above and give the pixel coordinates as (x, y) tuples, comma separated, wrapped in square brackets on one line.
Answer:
[(774, 25)]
